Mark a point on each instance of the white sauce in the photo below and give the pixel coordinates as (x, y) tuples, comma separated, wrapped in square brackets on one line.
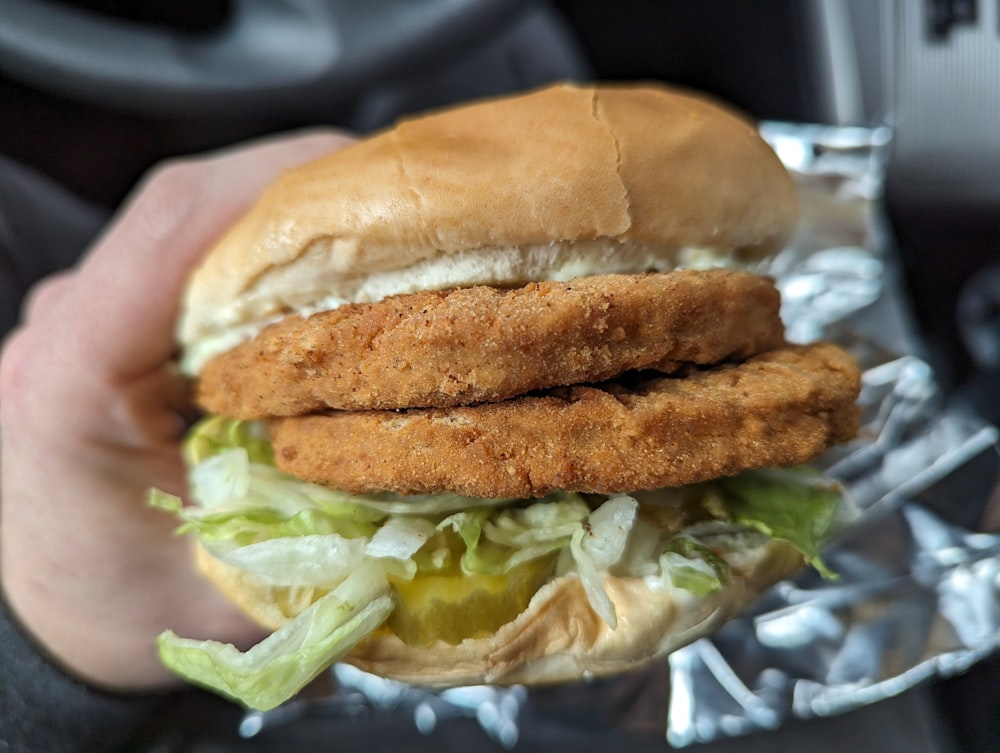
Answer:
[(309, 286)]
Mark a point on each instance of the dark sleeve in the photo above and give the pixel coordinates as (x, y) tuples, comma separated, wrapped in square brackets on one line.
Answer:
[(43, 710)]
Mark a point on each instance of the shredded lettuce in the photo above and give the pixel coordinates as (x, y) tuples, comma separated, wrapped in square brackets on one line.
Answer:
[(497, 543), (216, 434), (396, 543), (796, 505), (286, 661), (313, 560), (693, 566), (287, 532), (599, 545)]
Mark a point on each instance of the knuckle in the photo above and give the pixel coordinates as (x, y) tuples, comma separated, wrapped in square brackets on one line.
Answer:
[(44, 295), (17, 359), (166, 196)]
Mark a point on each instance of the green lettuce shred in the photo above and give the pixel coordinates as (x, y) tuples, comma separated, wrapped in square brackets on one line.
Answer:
[(286, 661), (796, 505), (694, 567)]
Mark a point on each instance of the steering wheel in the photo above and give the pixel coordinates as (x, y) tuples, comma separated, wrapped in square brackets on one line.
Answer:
[(280, 52)]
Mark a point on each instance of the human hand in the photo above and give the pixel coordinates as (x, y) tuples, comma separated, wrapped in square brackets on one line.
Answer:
[(90, 420)]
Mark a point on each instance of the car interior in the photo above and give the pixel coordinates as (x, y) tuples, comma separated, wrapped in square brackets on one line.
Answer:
[(95, 92)]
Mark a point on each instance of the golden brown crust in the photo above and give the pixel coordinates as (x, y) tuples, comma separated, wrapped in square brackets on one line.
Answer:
[(482, 344), (557, 638), (628, 163), (778, 408)]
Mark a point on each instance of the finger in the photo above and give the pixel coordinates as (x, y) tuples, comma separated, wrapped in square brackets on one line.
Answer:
[(45, 294), (152, 410), (127, 301)]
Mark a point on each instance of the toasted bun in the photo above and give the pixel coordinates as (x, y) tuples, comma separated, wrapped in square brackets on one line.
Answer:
[(618, 169), (557, 638)]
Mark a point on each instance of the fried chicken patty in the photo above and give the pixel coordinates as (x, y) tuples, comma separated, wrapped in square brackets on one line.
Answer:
[(485, 344), (778, 408)]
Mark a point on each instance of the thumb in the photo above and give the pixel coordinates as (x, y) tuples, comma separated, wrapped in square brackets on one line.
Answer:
[(133, 277)]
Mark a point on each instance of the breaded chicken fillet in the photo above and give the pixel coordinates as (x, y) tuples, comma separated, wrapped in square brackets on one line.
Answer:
[(444, 348)]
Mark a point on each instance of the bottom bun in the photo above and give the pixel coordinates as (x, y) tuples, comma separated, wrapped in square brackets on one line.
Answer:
[(557, 638)]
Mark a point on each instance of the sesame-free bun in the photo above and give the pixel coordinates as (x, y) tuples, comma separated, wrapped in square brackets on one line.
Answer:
[(617, 170), (558, 638)]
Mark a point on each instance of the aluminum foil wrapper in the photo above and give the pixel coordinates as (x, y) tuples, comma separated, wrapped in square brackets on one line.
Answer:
[(918, 592)]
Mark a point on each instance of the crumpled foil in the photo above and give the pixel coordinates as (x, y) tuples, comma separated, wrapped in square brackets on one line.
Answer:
[(918, 588), (918, 592)]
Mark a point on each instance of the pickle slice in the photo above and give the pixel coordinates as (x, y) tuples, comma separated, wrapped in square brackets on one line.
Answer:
[(453, 606)]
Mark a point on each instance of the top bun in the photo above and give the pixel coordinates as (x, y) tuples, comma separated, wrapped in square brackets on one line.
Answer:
[(618, 166)]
